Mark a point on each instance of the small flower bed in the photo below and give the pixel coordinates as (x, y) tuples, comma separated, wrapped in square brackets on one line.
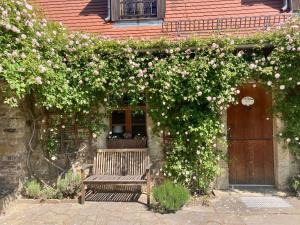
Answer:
[(67, 187)]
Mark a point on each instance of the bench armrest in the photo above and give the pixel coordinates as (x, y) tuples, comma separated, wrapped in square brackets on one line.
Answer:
[(147, 171)]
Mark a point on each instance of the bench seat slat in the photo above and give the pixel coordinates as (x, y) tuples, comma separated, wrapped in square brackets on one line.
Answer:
[(114, 179)]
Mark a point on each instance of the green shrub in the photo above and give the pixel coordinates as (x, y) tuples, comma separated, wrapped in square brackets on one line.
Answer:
[(32, 189), (51, 193), (170, 197), (69, 186), (295, 184)]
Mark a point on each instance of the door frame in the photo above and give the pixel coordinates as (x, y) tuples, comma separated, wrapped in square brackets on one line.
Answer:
[(262, 160), (282, 158)]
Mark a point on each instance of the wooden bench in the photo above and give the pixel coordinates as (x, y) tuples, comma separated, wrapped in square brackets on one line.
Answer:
[(118, 167)]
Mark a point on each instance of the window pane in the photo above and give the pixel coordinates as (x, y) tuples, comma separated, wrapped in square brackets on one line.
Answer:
[(138, 8)]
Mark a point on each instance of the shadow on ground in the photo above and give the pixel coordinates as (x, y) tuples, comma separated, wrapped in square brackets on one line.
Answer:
[(113, 196)]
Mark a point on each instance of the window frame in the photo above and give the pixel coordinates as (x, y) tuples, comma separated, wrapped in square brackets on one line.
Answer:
[(128, 118), (116, 12)]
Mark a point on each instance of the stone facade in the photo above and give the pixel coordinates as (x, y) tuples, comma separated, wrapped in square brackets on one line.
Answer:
[(15, 132), (12, 146)]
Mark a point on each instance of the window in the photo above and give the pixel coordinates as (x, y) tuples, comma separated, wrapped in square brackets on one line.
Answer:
[(128, 123), (137, 9)]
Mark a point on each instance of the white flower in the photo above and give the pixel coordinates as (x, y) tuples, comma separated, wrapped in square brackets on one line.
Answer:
[(214, 45), (296, 138), (277, 75), (198, 152), (29, 7), (105, 99), (269, 83), (252, 66), (150, 64), (288, 140), (240, 54), (209, 98), (158, 123), (298, 83), (38, 80), (42, 69), (63, 127), (94, 135), (290, 78), (53, 158), (281, 87), (23, 56)]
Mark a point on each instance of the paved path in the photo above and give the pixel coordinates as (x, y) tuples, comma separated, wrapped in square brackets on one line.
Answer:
[(226, 208)]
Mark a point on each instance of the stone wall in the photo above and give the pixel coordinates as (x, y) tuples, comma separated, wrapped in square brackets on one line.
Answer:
[(12, 146), (14, 136)]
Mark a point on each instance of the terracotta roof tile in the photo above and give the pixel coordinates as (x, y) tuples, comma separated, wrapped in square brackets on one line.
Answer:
[(88, 15)]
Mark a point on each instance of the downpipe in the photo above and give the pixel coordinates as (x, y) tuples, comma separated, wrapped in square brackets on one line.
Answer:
[(108, 18)]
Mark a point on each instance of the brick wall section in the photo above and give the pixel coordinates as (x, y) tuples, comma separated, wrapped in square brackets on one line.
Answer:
[(12, 147), (88, 15)]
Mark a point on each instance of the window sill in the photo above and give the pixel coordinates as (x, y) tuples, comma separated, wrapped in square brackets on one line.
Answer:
[(137, 23)]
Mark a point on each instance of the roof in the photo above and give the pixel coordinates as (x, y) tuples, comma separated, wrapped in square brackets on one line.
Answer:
[(88, 15)]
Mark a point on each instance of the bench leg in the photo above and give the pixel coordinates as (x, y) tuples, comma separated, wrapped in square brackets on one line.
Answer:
[(82, 199), (82, 187), (148, 188)]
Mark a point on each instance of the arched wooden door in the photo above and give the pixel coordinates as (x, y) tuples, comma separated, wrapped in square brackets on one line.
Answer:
[(250, 134)]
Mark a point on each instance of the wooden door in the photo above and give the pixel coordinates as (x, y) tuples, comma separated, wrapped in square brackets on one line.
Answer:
[(250, 134)]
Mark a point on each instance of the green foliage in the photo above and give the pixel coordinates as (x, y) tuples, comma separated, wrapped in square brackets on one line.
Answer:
[(32, 189), (66, 187), (187, 85), (69, 186), (295, 184), (170, 197), (51, 193)]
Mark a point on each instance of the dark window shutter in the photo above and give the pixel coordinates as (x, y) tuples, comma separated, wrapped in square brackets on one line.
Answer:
[(161, 9), (295, 5), (115, 10)]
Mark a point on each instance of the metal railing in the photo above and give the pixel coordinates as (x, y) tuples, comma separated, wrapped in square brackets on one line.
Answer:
[(225, 24), (138, 9)]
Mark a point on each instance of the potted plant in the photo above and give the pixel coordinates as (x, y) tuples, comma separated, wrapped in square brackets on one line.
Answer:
[(126, 141)]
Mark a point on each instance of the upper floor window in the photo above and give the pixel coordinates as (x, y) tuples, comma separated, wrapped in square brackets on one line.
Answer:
[(137, 9)]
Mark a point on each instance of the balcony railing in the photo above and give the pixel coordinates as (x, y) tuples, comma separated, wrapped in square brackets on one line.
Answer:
[(225, 24), (132, 9)]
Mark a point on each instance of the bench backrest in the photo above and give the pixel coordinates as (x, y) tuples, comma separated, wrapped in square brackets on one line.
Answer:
[(121, 162)]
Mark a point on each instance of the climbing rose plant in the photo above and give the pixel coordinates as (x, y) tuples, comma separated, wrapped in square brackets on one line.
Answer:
[(187, 85)]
